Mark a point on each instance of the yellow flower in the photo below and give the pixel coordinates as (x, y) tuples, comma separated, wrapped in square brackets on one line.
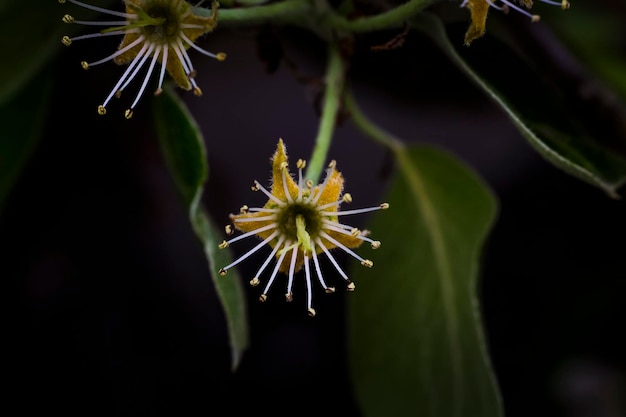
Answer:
[(300, 222), (162, 30), (479, 9)]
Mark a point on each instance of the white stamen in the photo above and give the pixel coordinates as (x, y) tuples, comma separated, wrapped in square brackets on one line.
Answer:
[(163, 66), (253, 232), (197, 48), (147, 77), (101, 23), (339, 245), (348, 212), (268, 194), (120, 52), (346, 232), (322, 187), (128, 70), (105, 11), (292, 267), (144, 58), (263, 210), (317, 266), (332, 260), (307, 276), (274, 272), (255, 219), (100, 34), (251, 251), (270, 257), (182, 60)]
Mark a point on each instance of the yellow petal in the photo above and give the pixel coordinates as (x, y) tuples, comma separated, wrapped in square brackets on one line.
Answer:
[(478, 11), (332, 190), (278, 162)]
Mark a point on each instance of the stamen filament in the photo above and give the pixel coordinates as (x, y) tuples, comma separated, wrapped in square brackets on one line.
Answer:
[(147, 77), (292, 267), (162, 73), (332, 260), (340, 245), (309, 295), (105, 11), (274, 272), (255, 219), (120, 52), (143, 57), (317, 267), (101, 23), (357, 211), (268, 194), (219, 57), (253, 232), (250, 252), (281, 239)]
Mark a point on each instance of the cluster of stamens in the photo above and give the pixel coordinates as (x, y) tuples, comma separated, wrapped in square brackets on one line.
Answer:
[(299, 227), (505, 5), (150, 37)]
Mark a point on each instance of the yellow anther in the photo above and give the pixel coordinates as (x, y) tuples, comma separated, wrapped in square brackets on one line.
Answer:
[(244, 209), (223, 245), (193, 74), (283, 165), (128, 114), (355, 232), (197, 92), (301, 164), (332, 164), (535, 18), (330, 290), (289, 297), (221, 56), (255, 186), (65, 40), (222, 272), (311, 312), (376, 244), (308, 183), (68, 19), (228, 229), (101, 110), (384, 206), (254, 281), (158, 91), (84, 65), (351, 287), (263, 298), (367, 263), (347, 198), (565, 5)]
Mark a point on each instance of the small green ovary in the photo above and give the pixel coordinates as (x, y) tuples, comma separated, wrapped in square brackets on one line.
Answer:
[(293, 214), (162, 22)]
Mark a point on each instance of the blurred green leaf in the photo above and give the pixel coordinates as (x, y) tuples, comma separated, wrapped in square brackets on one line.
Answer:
[(601, 44), (416, 346), (30, 35), (185, 155), (22, 120), (543, 113)]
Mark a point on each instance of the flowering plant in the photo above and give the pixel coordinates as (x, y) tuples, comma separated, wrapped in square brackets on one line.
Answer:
[(477, 282)]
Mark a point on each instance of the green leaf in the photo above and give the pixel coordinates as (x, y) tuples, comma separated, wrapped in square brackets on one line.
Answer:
[(536, 109), (183, 148), (22, 120), (416, 345), (31, 35)]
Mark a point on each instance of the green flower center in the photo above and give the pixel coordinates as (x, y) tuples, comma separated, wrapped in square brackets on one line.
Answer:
[(165, 23), (300, 223)]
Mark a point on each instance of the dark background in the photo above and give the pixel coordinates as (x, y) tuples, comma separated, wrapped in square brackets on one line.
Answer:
[(111, 310)]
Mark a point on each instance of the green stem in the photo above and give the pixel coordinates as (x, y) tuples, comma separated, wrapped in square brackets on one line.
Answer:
[(393, 18), (285, 12), (369, 128), (332, 98)]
